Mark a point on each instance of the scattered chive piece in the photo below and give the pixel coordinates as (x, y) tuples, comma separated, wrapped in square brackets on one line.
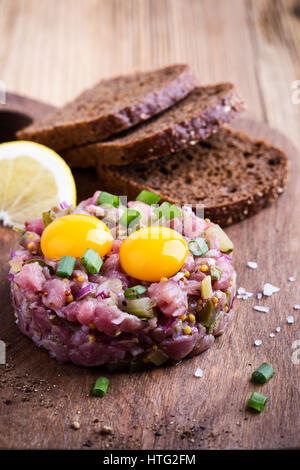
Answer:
[(66, 266), (108, 199), (129, 216), (135, 291), (263, 373), (167, 211), (198, 247), (92, 261), (148, 198), (100, 387), (257, 401)]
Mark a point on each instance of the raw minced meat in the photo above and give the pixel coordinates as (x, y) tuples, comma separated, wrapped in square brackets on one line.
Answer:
[(96, 328)]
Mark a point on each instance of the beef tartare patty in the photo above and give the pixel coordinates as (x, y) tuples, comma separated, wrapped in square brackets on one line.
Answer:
[(89, 319)]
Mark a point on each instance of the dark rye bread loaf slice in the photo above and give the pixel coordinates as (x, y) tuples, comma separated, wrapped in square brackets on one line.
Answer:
[(111, 106), (196, 117), (231, 174)]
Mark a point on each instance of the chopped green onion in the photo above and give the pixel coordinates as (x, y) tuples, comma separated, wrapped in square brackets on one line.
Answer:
[(135, 292), (263, 373), (167, 211), (108, 199), (148, 198), (92, 261), (257, 401), (100, 387), (66, 266), (129, 216), (198, 247)]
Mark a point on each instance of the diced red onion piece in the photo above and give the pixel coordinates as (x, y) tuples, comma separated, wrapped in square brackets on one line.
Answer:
[(63, 205), (84, 291), (103, 295), (169, 324), (10, 277)]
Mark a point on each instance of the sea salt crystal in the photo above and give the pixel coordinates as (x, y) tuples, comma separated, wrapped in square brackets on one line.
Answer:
[(241, 290), (199, 373), (272, 335), (290, 319), (292, 279), (252, 264), (245, 296), (260, 308), (269, 289), (278, 329), (259, 296), (258, 342), (296, 307)]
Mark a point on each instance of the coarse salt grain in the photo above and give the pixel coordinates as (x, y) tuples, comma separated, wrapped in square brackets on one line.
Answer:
[(278, 329), (241, 290), (259, 308), (199, 373), (292, 279), (258, 342), (296, 307), (252, 264), (272, 335), (269, 289), (259, 296), (290, 319)]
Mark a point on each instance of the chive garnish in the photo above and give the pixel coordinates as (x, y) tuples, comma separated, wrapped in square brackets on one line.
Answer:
[(135, 292), (129, 216), (257, 401), (66, 266), (263, 373), (167, 211), (108, 199), (100, 387), (148, 198), (92, 261), (198, 247)]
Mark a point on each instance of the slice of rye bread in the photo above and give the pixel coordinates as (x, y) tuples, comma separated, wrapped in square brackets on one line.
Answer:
[(111, 106), (231, 174), (196, 117)]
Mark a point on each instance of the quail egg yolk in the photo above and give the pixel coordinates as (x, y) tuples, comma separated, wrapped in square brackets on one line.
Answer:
[(72, 234), (152, 253)]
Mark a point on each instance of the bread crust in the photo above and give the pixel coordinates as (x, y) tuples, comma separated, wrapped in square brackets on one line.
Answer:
[(112, 106), (271, 173), (199, 115)]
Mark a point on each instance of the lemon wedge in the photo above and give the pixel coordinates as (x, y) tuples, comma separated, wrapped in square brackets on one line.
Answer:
[(33, 178)]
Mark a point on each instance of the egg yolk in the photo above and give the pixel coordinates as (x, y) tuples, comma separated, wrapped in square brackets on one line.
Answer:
[(152, 253), (72, 234)]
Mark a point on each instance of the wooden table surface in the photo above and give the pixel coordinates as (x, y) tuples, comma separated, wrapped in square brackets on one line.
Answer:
[(51, 51)]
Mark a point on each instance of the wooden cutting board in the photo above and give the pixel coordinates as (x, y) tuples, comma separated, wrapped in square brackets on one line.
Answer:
[(168, 408)]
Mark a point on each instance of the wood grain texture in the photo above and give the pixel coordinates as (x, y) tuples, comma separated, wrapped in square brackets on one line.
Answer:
[(168, 408), (51, 53)]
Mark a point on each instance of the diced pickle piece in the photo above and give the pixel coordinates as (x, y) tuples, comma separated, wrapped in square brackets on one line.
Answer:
[(228, 301), (142, 308), (205, 316), (206, 289), (226, 245), (157, 357), (215, 273)]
